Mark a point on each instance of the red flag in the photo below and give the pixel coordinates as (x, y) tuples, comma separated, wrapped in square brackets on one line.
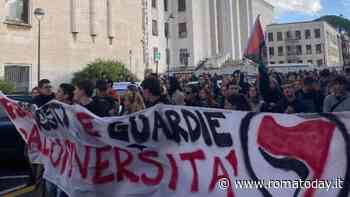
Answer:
[(308, 142), (256, 44)]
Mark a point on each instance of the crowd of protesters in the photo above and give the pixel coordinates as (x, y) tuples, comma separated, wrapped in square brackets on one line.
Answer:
[(298, 92)]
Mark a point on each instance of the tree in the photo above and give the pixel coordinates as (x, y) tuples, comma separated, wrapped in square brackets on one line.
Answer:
[(6, 87), (337, 22), (104, 69)]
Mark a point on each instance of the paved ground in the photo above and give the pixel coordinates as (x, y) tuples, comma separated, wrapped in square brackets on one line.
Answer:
[(14, 181)]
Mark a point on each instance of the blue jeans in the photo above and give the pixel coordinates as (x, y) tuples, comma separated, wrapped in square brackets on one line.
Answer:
[(53, 191)]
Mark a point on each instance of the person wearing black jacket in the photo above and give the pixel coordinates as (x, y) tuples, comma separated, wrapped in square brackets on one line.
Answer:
[(152, 92), (311, 99), (102, 96), (270, 90), (45, 93), (289, 104), (83, 95)]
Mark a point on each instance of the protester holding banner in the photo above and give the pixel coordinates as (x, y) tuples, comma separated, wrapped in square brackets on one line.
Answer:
[(65, 93), (45, 93)]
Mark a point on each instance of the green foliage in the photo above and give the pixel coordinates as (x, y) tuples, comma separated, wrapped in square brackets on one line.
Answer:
[(6, 87), (337, 22), (104, 69)]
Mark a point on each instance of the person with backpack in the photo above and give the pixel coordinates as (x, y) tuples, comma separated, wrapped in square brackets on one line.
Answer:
[(339, 99)]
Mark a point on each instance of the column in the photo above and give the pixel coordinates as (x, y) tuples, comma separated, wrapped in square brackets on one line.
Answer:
[(93, 21), (74, 16), (110, 29), (237, 29), (245, 25), (214, 26)]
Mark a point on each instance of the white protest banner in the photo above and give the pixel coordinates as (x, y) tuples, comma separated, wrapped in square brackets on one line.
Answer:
[(179, 151)]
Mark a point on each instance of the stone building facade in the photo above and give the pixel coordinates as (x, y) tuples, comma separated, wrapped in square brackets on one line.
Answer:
[(199, 29), (73, 33), (311, 42)]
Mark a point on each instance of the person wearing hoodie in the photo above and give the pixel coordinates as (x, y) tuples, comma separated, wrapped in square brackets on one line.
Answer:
[(270, 90)]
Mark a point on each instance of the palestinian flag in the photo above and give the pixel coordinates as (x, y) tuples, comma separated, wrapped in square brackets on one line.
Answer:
[(256, 48)]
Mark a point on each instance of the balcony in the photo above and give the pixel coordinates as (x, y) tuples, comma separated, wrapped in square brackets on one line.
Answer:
[(292, 40)]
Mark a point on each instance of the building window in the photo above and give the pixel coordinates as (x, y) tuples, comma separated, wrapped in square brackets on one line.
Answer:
[(154, 3), (317, 33), (272, 51), (307, 34), (184, 55), (288, 35), (18, 11), (166, 30), (299, 50), (308, 49), (289, 50), (154, 28), (300, 61), (19, 76), (272, 62), (279, 36), (166, 5), (182, 30), (280, 51), (182, 5), (310, 61), (155, 51), (318, 49), (167, 54), (270, 36), (319, 62), (281, 62), (298, 35)]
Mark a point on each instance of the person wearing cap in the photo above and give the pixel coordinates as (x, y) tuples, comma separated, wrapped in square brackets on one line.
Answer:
[(152, 92), (339, 100)]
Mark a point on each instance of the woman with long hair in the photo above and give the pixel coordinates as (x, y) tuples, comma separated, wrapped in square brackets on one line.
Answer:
[(254, 99), (133, 102), (206, 99)]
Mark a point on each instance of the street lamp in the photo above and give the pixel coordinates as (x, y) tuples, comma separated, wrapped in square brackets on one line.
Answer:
[(39, 14), (171, 17), (130, 60)]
